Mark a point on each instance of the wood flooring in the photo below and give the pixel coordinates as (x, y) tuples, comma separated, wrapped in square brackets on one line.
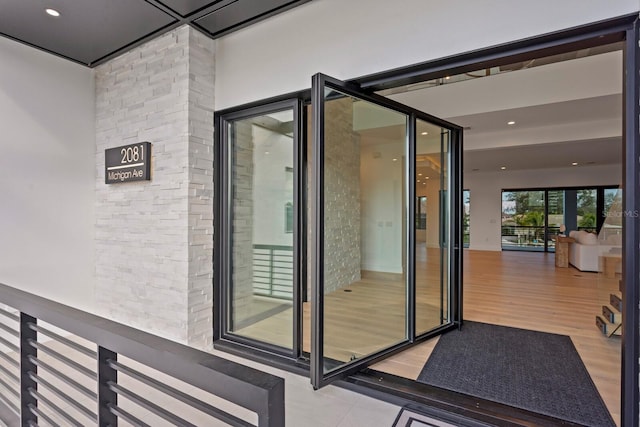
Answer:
[(526, 290), (517, 289)]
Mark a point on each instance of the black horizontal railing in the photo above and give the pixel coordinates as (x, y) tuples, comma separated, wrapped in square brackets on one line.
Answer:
[(63, 366), (528, 235), (273, 271)]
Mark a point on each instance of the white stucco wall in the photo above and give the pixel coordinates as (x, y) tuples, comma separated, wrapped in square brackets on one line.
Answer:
[(47, 146), (348, 39)]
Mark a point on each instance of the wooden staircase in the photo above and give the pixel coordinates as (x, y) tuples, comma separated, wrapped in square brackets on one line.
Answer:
[(610, 320)]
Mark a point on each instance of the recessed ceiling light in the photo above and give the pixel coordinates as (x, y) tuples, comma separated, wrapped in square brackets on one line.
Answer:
[(266, 152), (511, 123), (503, 167), (52, 12), (574, 164), (424, 133), (395, 160), (447, 77), (419, 174), (427, 178)]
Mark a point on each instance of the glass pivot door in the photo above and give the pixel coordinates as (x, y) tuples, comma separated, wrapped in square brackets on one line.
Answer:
[(380, 281)]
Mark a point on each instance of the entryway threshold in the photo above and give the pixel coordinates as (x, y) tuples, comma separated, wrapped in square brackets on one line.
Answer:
[(455, 408)]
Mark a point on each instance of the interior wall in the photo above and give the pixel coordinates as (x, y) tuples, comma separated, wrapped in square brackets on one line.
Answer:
[(334, 37), (486, 194), (46, 175), (381, 202)]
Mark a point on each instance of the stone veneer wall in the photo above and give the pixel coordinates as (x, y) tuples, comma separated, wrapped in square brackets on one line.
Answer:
[(154, 239), (342, 257)]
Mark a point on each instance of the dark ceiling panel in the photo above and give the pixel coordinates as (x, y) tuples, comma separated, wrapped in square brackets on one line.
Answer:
[(94, 31), (187, 7), (235, 15), (86, 30)]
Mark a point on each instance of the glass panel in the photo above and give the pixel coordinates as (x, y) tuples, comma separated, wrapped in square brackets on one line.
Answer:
[(466, 218), (609, 199), (432, 257), (610, 253), (555, 216), (262, 230), (365, 198), (586, 209), (523, 220)]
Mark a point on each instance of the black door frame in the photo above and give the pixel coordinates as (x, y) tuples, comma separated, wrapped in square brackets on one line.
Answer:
[(621, 29), (223, 309), (320, 81)]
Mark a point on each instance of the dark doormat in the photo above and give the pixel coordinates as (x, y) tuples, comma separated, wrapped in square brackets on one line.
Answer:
[(531, 370)]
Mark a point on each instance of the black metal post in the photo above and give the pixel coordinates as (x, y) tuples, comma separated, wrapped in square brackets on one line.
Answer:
[(106, 396), (27, 351), (272, 413)]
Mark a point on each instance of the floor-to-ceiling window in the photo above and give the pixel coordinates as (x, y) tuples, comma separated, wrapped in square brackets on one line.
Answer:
[(259, 149), (531, 218), (523, 220)]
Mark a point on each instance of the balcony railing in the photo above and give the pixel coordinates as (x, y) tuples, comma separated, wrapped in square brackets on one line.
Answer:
[(273, 271), (528, 237), (63, 366)]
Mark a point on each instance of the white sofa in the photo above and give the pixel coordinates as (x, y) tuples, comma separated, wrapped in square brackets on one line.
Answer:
[(583, 254)]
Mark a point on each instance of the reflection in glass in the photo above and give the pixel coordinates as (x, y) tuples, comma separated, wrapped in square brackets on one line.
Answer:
[(365, 302), (466, 218), (262, 230), (432, 258), (586, 209), (555, 216)]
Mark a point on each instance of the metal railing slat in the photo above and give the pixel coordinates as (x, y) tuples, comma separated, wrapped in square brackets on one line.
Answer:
[(64, 396), (11, 346), (38, 413), (64, 359), (9, 330), (150, 406), (64, 378), (13, 362), (9, 374), (54, 407), (131, 419), (80, 348), (9, 315), (179, 395)]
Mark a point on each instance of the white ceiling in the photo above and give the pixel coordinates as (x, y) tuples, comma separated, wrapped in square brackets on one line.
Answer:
[(564, 112)]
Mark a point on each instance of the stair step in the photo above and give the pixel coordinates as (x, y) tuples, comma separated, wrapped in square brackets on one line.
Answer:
[(610, 315), (616, 302), (601, 324), (608, 329)]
